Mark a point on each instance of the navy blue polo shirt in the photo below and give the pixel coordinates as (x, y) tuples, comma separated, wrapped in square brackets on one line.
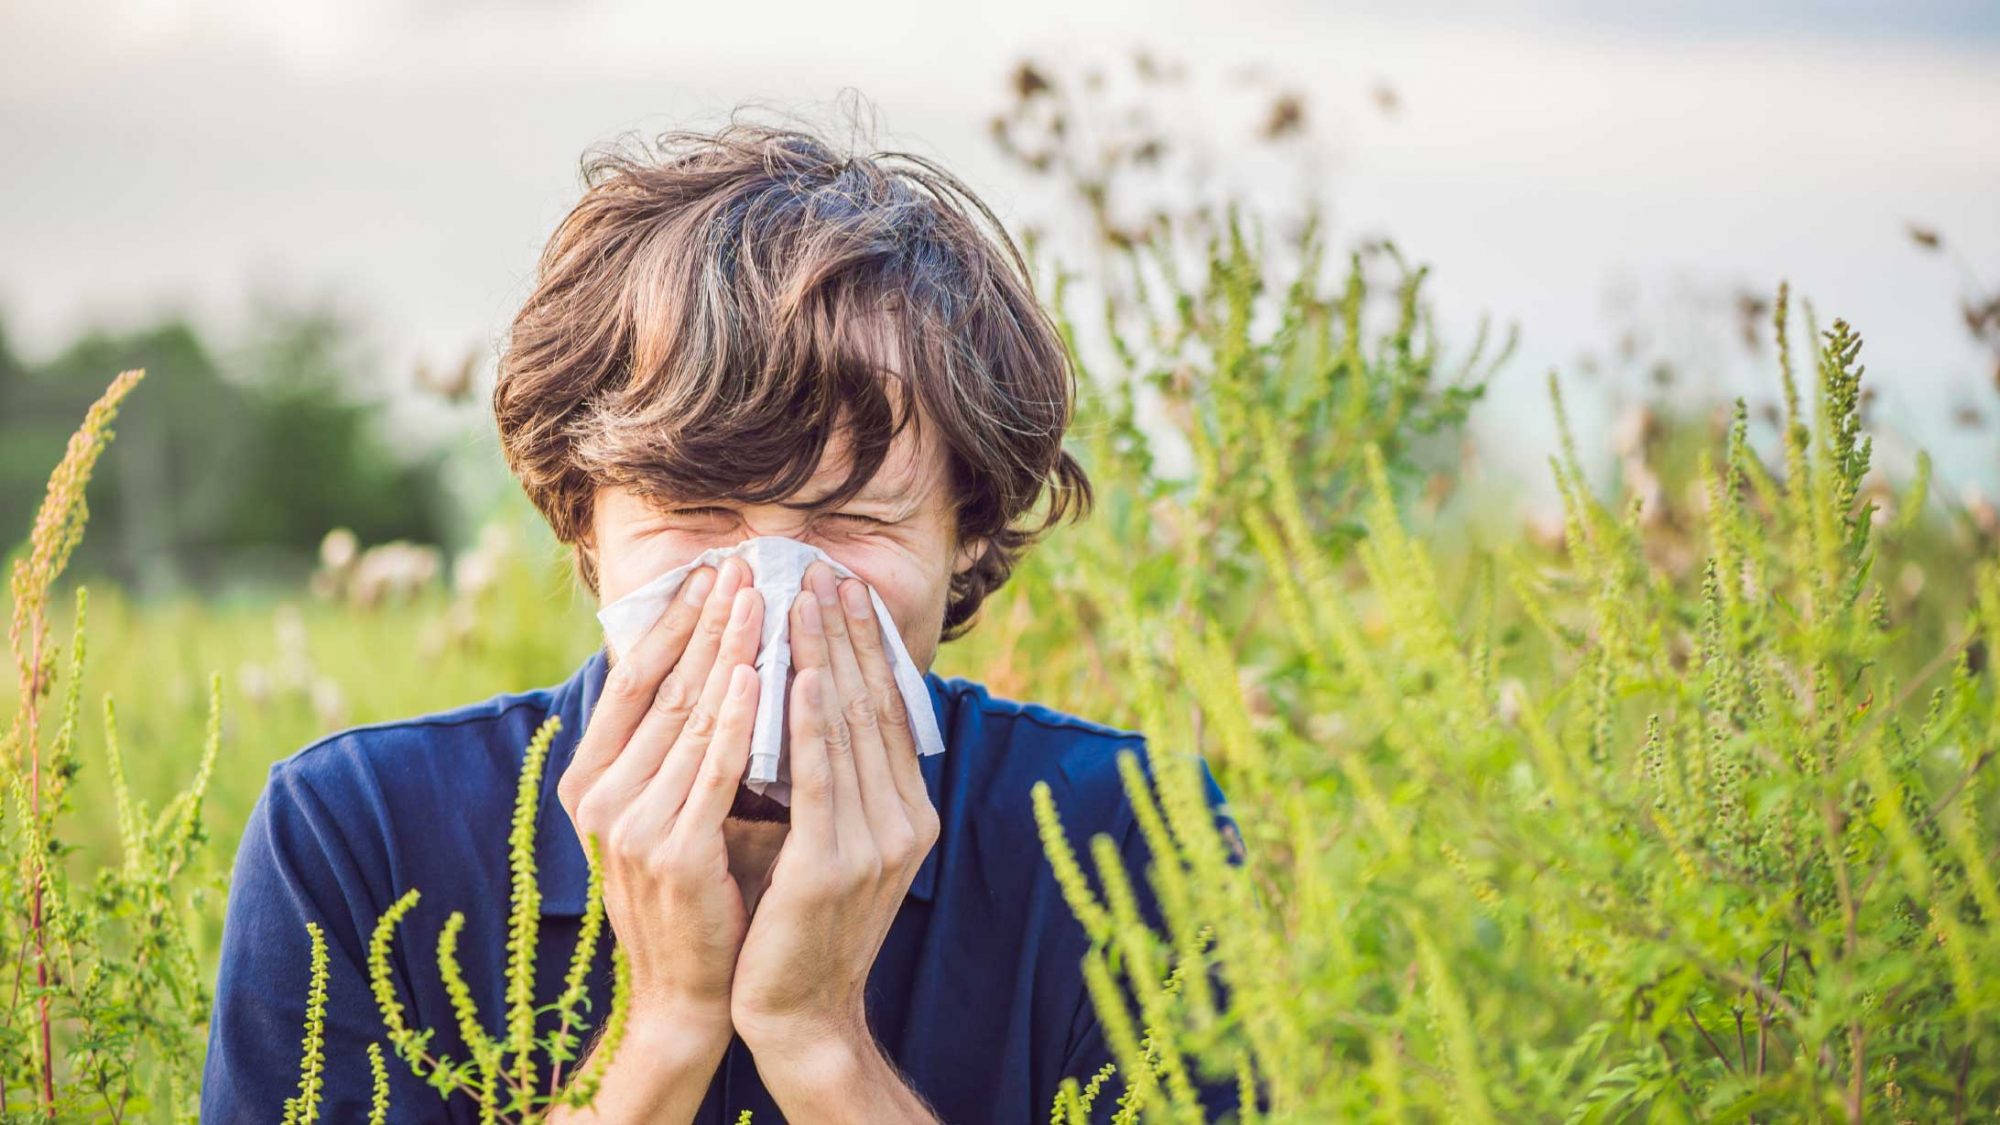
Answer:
[(977, 994)]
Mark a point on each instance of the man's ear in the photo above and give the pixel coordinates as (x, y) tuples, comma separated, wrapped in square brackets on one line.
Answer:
[(584, 550), (968, 554)]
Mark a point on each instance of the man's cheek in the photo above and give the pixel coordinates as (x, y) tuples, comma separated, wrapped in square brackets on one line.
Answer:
[(632, 564), (905, 592)]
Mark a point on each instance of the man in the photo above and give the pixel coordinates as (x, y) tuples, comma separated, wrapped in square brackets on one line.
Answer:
[(740, 334)]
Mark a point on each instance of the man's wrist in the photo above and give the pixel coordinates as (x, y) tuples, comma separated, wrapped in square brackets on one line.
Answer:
[(842, 1073), (816, 1040), (678, 1036), (821, 1064), (661, 1070)]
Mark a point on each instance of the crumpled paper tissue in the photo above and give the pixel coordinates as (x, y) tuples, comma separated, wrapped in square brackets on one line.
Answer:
[(778, 568)]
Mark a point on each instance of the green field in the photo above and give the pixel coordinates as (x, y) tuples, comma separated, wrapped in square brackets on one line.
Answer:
[(1685, 813)]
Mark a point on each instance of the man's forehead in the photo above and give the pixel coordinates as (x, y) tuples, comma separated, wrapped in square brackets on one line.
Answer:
[(911, 469), (906, 470), (911, 465)]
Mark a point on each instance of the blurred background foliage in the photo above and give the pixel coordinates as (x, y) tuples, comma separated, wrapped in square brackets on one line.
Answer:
[(244, 456)]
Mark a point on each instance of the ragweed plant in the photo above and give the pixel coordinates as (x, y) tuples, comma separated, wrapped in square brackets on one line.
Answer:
[(1732, 860), (1275, 375), (303, 1108), (106, 1003), (501, 1073), (1687, 815)]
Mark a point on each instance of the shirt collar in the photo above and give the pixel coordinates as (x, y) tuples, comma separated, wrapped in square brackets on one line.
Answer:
[(563, 873)]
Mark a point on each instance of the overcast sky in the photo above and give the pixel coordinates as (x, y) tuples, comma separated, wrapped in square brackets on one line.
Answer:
[(1552, 160)]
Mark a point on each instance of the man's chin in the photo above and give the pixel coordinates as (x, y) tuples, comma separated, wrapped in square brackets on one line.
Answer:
[(758, 808)]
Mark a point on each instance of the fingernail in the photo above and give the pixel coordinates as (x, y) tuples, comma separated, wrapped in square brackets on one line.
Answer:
[(809, 615), (698, 585), (822, 584), (740, 612), (742, 681), (855, 597)]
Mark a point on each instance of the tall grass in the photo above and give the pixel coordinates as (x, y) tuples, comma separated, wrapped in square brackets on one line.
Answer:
[(1686, 816), (107, 996), (1591, 834), (500, 1075)]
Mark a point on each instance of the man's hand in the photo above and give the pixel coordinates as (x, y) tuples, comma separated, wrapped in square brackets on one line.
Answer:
[(862, 822), (652, 779)]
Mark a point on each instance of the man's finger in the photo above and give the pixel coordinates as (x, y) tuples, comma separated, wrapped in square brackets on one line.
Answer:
[(812, 773), (681, 690), (875, 742), (721, 771), (630, 686), (813, 622), (822, 585), (667, 790), (871, 652), (808, 633)]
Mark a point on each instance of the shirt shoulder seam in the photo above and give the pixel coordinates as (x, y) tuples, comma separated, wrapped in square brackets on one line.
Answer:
[(1087, 726), (1039, 714), (445, 720)]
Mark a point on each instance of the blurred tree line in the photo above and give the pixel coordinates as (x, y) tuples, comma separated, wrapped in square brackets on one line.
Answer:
[(231, 466)]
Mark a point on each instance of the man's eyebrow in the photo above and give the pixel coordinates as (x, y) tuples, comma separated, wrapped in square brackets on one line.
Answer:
[(881, 488), (897, 499)]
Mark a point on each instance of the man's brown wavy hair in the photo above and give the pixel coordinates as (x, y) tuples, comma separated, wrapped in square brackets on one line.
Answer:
[(713, 311)]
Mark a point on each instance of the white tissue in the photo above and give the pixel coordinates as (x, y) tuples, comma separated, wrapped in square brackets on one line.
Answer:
[(778, 570)]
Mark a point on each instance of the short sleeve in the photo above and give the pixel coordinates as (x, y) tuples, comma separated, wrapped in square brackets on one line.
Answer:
[(1089, 1052), (296, 865)]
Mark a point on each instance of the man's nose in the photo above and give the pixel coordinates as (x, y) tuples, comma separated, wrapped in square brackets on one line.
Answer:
[(782, 523), (768, 519)]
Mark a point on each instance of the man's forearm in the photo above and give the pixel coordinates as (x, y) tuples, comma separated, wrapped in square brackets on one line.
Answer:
[(660, 1073), (841, 1080)]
